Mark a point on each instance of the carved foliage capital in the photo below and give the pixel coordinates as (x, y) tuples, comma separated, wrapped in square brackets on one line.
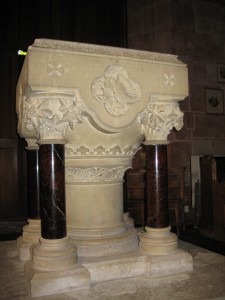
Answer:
[(159, 118), (51, 114)]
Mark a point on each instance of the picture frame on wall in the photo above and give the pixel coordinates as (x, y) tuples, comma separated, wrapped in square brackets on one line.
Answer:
[(214, 100), (221, 72)]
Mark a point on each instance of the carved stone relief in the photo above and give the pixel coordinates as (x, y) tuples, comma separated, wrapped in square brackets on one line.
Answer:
[(50, 115), (55, 69), (96, 49), (158, 119), (116, 90), (100, 151), (169, 80), (95, 174)]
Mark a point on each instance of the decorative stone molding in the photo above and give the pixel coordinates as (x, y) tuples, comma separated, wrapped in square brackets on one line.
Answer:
[(51, 114), (96, 49), (158, 241), (100, 150), (95, 174), (159, 118)]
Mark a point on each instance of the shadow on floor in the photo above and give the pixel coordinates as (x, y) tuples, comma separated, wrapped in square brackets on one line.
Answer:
[(11, 230), (194, 236)]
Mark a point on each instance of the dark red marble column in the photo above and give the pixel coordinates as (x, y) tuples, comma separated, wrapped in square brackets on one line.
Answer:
[(33, 192), (52, 191), (157, 213)]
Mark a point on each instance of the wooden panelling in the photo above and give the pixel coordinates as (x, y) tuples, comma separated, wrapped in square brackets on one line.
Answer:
[(6, 183), (6, 103), (12, 204)]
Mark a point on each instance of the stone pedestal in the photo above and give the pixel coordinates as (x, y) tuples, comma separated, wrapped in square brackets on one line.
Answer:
[(102, 102), (54, 269), (56, 282), (96, 222), (158, 241)]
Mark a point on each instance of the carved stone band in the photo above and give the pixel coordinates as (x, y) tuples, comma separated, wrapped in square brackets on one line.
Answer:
[(95, 174)]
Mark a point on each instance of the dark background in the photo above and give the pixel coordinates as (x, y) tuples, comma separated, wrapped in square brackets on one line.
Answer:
[(91, 21)]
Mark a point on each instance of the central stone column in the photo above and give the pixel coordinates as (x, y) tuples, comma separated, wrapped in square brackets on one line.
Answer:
[(95, 210)]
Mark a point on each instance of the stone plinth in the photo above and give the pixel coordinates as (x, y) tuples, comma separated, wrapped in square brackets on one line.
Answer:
[(94, 270), (102, 103), (56, 282), (137, 264)]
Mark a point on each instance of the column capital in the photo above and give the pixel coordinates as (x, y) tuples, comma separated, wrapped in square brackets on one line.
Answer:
[(32, 144), (48, 114), (161, 114)]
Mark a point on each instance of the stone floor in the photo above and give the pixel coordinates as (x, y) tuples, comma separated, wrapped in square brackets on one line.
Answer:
[(207, 281)]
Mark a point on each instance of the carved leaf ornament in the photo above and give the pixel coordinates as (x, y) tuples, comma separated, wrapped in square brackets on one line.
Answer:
[(159, 119), (50, 116)]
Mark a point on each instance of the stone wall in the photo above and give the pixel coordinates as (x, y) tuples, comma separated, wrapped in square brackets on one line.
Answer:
[(195, 31)]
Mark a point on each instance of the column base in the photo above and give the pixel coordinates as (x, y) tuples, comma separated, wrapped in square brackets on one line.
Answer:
[(54, 255), (29, 239), (158, 241), (128, 220), (53, 268), (95, 244)]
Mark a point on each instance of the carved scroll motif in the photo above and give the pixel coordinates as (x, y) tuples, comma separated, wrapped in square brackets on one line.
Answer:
[(50, 115), (95, 174), (116, 90), (158, 119)]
